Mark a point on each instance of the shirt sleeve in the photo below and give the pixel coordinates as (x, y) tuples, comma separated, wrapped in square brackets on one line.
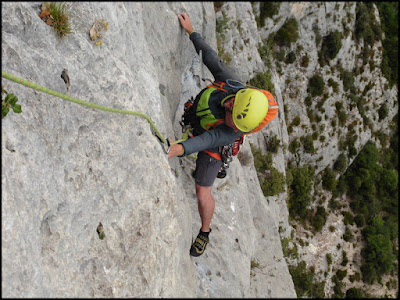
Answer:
[(221, 136), (213, 62)]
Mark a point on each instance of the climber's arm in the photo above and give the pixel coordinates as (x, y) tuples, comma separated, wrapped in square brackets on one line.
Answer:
[(220, 71)]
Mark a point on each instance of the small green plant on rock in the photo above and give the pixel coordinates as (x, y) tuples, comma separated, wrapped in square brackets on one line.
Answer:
[(57, 16), (10, 101)]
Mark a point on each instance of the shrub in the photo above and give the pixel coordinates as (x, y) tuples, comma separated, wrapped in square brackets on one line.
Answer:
[(294, 146), (388, 12), (353, 293), (319, 219), (273, 144), (328, 258), (316, 85), (341, 163), (296, 121), (308, 101), (378, 254), (345, 260), (288, 33), (305, 61), (348, 235), (383, 112), (304, 282), (308, 144), (348, 80), (291, 57), (263, 81), (342, 116), (341, 274), (331, 45), (300, 189), (329, 181), (271, 180), (335, 86), (267, 10)]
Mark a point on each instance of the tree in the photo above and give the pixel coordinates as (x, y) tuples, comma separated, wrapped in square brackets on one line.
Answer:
[(341, 163), (300, 189), (329, 181), (288, 33), (316, 85), (354, 293)]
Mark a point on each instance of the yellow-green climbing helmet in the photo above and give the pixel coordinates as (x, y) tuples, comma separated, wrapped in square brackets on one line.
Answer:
[(249, 109)]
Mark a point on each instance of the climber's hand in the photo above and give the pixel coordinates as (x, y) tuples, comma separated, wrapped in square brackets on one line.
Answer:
[(185, 22), (175, 150)]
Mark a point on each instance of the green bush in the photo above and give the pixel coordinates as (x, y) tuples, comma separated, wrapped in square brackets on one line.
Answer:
[(300, 191), (331, 45), (341, 274), (296, 121), (267, 10), (272, 182), (316, 85), (305, 61), (353, 293), (308, 102), (341, 163), (308, 144), (348, 80), (329, 181), (383, 112), (342, 117), (304, 282), (290, 58), (288, 33), (348, 235), (363, 29), (335, 86), (263, 81), (378, 254), (388, 12), (328, 258), (294, 146), (348, 218), (319, 219), (273, 144)]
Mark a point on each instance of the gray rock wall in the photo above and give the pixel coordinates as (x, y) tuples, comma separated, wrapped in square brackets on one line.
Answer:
[(66, 167)]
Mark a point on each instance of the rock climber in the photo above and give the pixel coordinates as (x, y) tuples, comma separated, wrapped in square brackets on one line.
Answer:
[(231, 112)]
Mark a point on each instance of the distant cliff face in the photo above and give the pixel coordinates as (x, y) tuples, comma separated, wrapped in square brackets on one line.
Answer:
[(318, 77), (67, 168)]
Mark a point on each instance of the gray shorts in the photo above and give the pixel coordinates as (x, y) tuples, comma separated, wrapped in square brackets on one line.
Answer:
[(207, 168)]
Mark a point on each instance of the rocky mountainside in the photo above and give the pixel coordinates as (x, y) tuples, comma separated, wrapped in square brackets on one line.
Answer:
[(66, 168)]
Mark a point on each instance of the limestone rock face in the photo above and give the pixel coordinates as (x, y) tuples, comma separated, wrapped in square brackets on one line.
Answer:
[(66, 168)]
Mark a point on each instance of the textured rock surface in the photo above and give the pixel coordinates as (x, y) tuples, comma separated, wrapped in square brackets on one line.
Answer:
[(65, 167)]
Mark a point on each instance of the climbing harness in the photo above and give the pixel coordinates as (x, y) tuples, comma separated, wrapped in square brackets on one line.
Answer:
[(163, 140), (190, 117)]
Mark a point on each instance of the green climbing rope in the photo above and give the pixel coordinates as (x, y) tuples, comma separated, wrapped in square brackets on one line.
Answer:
[(84, 103)]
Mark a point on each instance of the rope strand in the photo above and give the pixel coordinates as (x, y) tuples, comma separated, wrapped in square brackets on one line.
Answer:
[(84, 103)]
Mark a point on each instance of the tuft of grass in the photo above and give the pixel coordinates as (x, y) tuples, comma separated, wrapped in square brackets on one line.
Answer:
[(60, 19)]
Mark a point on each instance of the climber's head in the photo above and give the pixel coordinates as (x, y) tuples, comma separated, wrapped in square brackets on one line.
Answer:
[(249, 108)]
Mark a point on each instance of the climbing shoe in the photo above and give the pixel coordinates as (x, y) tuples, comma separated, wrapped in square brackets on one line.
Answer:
[(200, 244)]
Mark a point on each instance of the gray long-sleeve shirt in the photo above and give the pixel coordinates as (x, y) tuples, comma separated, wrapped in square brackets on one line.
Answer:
[(222, 135)]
